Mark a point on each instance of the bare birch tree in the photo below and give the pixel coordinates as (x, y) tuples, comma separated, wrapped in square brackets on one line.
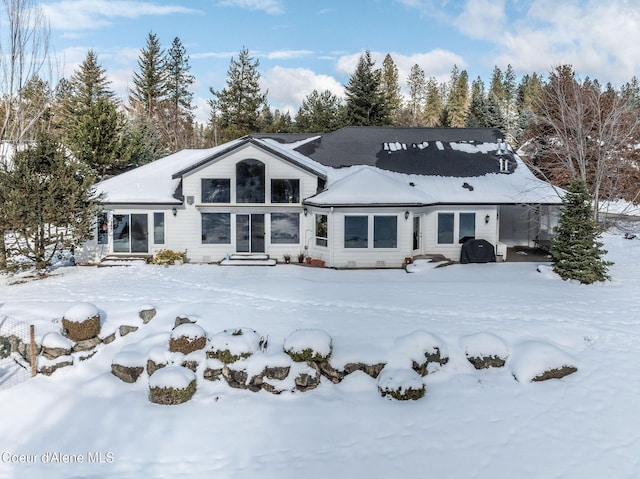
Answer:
[(582, 132)]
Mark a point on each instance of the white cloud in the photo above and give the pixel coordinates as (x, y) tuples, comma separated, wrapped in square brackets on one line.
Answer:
[(598, 38), (272, 7), (289, 86), (74, 15), (482, 19), (288, 54)]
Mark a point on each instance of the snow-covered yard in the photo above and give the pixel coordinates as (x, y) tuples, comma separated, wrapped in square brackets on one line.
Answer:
[(469, 424)]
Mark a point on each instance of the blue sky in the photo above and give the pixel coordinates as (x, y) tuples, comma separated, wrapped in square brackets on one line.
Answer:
[(314, 44)]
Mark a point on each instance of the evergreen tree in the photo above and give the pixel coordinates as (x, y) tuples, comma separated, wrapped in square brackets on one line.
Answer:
[(140, 142), (319, 113), (417, 93), (434, 104), (235, 110), (365, 102), (576, 252), (178, 118), (150, 81), (48, 199), (95, 137), (476, 116), (90, 121), (391, 88), (455, 112)]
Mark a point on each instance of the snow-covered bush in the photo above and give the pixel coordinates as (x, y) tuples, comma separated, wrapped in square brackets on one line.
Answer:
[(308, 345), (172, 385), (81, 321), (401, 384), (485, 350), (167, 257), (187, 338), (232, 344), (538, 361)]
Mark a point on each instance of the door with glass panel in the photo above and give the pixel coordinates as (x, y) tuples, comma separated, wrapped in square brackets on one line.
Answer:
[(416, 235), (250, 233), (130, 233)]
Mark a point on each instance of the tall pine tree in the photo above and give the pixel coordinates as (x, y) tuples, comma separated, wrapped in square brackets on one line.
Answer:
[(149, 82), (178, 114), (390, 87), (576, 252), (417, 93), (235, 110), (90, 121), (365, 104)]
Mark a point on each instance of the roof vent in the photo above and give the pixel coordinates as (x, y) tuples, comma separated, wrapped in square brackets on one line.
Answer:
[(504, 165), (411, 183), (467, 186)]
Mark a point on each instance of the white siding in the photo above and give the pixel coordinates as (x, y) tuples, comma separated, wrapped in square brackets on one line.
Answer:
[(187, 231), (484, 230)]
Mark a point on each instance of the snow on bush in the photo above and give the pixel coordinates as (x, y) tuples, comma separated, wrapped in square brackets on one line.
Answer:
[(172, 385), (81, 321), (187, 338), (308, 345), (539, 361), (485, 350), (233, 344), (423, 265), (418, 350), (399, 383)]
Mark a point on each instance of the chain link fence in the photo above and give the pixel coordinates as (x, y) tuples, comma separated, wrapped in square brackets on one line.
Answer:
[(14, 343)]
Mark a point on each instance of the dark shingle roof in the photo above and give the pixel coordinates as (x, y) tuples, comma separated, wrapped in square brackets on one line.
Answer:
[(410, 150)]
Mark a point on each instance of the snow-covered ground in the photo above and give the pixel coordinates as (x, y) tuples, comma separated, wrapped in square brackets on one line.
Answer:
[(469, 424)]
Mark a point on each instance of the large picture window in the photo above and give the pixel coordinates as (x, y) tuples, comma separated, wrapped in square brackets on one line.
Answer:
[(445, 228), (285, 228), (216, 228), (321, 230), (250, 181), (385, 231), (285, 191), (356, 231), (216, 190)]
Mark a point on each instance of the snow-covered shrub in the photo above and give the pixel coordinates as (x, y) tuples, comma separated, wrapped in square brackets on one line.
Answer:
[(187, 338), (128, 366), (485, 350), (309, 345), (401, 384), (538, 361), (232, 344), (167, 257), (172, 385), (418, 350), (81, 321)]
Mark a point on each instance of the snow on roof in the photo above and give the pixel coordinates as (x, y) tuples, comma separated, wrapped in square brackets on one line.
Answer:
[(154, 182), (360, 185)]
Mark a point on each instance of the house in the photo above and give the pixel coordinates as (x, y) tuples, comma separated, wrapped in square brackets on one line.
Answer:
[(356, 197)]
